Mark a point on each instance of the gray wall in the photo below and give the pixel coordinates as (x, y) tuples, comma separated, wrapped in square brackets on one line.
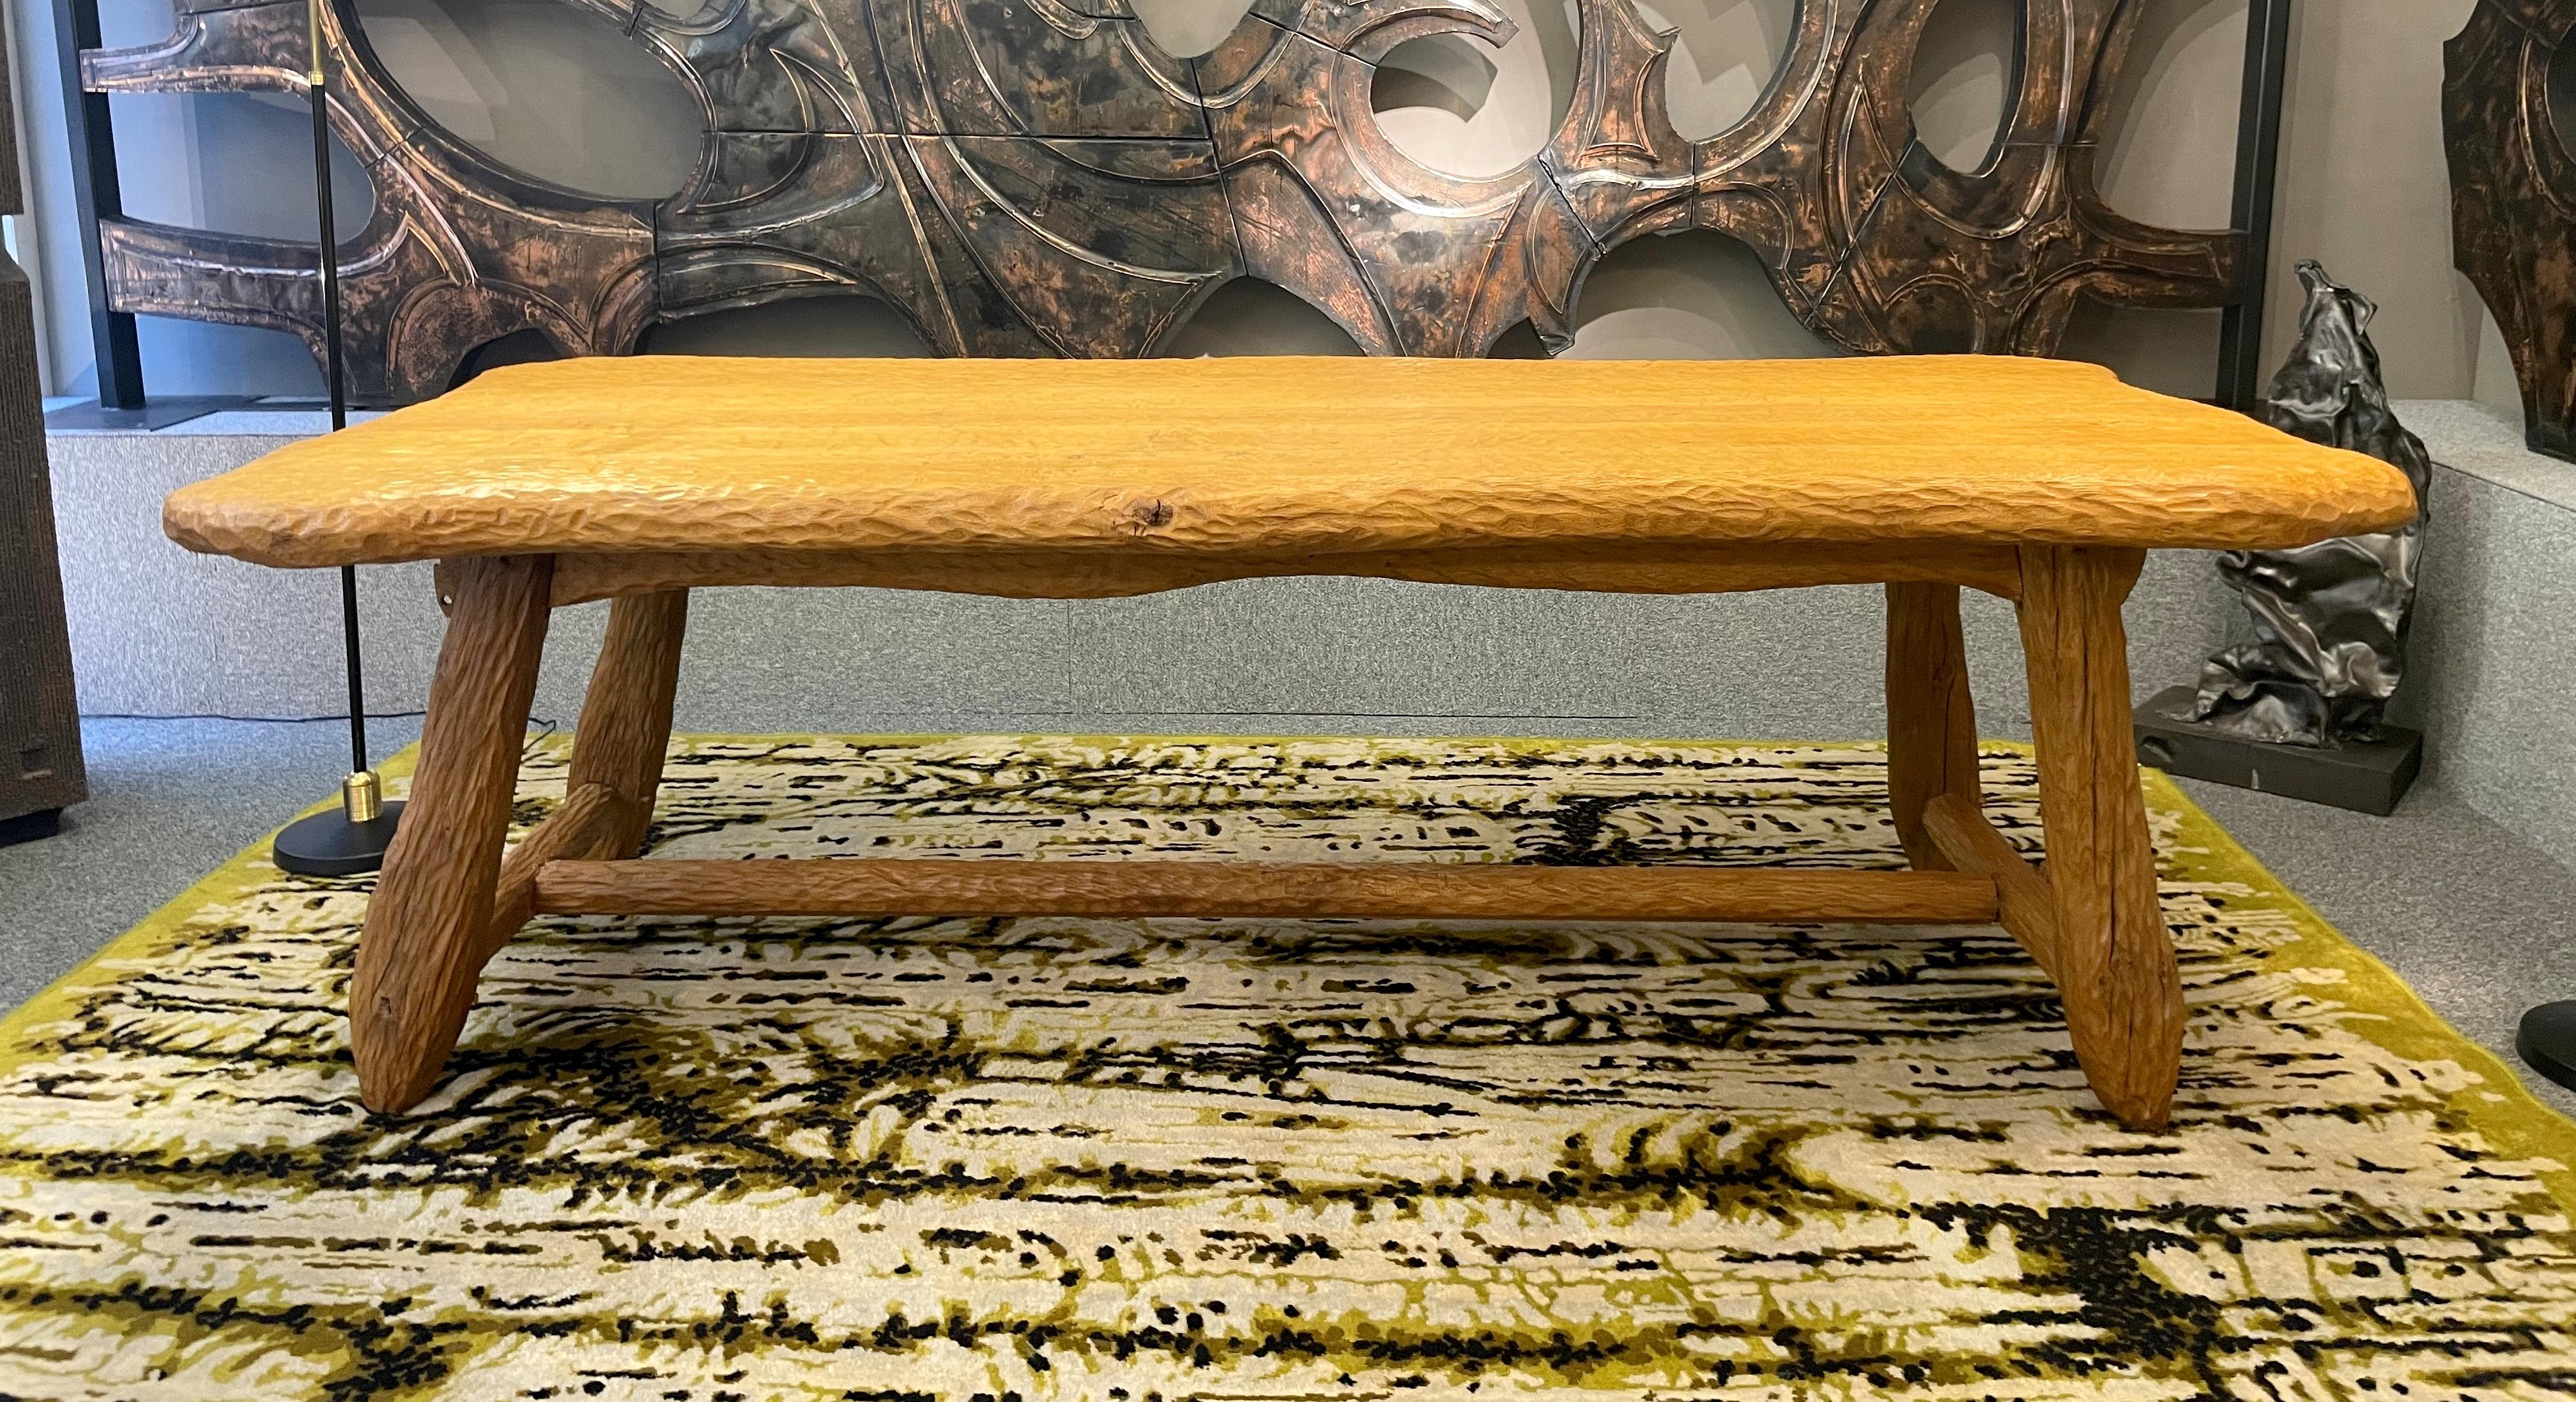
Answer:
[(2363, 187), (2496, 658), (558, 92), (2492, 680), (157, 630)]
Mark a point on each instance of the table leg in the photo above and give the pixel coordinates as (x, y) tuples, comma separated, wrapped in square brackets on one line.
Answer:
[(1931, 719), (423, 944), (626, 717), (2115, 961)]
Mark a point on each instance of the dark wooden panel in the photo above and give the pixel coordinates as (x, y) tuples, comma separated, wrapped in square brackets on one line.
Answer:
[(40, 748), (13, 199), (1035, 177)]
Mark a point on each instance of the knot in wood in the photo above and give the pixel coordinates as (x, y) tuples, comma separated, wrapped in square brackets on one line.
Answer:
[(1145, 516)]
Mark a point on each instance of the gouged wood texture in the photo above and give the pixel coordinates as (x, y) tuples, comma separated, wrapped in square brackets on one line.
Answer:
[(2115, 960), (626, 715), (590, 822), (1479, 891), (1931, 717), (1093, 574), (425, 939), (1969, 843), (1280, 456)]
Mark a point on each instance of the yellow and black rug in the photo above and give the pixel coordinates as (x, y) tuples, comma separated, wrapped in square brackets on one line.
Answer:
[(736, 1160)]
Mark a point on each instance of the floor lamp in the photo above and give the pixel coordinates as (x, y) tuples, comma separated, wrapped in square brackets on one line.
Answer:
[(354, 839)]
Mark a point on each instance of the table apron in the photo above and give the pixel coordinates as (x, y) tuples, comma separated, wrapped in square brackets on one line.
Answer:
[(1098, 574)]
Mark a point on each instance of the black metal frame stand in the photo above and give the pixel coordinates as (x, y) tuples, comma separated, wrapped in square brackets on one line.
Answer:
[(95, 196), (2258, 165)]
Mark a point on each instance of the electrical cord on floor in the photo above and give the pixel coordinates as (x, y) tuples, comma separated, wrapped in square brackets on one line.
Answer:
[(546, 725), (339, 718)]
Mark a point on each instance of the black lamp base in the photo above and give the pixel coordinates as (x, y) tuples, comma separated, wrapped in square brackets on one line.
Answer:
[(328, 844), (2548, 1042)]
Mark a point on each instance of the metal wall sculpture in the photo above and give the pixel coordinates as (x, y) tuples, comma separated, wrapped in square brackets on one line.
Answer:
[(2513, 199), (2330, 620), (1036, 177)]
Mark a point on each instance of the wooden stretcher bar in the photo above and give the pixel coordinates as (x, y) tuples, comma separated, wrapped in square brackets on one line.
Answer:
[(1407, 891)]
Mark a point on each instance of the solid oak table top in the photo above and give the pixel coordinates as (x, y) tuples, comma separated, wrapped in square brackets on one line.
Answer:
[(1279, 456)]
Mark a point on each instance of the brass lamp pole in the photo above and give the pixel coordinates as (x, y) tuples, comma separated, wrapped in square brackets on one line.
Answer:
[(354, 839)]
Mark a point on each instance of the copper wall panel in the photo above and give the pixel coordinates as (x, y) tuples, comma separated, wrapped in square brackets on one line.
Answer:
[(458, 252), (1036, 177), (2513, 199)]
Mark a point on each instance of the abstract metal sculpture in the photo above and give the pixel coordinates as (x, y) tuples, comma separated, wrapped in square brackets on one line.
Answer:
[(2301, 709), (2330, 619), (2513, 199), (1036, 177)]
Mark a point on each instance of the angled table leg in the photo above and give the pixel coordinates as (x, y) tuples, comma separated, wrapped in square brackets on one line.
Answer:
[(424, 940), (616, 759), (626, 716), (1931, 719), (2114, 962)]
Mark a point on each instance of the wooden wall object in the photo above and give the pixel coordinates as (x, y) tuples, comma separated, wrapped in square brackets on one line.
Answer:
[(41, 771), (1036, 177), (2513, 199)]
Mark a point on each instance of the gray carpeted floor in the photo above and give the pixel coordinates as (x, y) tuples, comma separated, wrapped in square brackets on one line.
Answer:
[(2482, 925)]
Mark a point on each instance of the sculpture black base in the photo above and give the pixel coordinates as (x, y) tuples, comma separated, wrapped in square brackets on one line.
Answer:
[(27, 827), (328, 844), (2364, 778), (2548, 1042)]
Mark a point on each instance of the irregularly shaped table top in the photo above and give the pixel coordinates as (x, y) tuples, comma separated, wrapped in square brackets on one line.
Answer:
[(1271, 456)]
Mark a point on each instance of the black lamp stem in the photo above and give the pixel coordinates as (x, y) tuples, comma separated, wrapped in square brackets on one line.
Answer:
[(357, 687), (318, 89), (353, 840), (331, 353)]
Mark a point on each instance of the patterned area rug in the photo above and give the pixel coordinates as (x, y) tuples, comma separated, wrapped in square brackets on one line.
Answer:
[(723, 1161)]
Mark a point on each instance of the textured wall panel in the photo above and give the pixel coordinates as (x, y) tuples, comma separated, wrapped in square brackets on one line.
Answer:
[(2513, 199), (1036, 177)]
